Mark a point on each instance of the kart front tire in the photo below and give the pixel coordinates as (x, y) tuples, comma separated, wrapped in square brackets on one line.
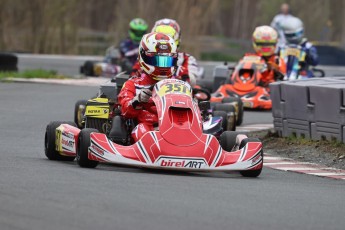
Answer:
[(49, 141), (83, 149), (227, 140), (256, 172), (79, 110)]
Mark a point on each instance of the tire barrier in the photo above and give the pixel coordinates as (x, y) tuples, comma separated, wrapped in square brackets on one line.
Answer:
[(312, 109), (8, 62)]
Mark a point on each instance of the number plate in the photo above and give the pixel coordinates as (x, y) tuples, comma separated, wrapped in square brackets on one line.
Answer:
[(247, 104), (174, 88), (293, 52), (254, 59)]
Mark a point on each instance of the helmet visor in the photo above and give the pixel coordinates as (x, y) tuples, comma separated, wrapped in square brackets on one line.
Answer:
[(265, 43), (160, 60), (138, 33), (294, 35)]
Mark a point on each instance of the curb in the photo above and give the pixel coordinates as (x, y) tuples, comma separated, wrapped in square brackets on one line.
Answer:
[(87, 81), (290, 165)]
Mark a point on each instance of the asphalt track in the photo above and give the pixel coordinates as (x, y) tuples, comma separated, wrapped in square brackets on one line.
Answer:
[(69, 65), (36, 193)]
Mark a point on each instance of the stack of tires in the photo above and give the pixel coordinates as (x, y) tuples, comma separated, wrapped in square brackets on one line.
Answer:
[(8, 62)]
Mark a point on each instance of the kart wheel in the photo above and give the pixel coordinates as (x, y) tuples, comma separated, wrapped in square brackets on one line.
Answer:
[(230, 111), (79, 110), (88, 68), (83, 149), (49, 141), (256, 172), (228, 140), (239, 117), (224, 116)]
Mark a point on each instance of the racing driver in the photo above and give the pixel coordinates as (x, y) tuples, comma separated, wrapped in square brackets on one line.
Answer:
[(187, 66), (265, 40), (158, 60)]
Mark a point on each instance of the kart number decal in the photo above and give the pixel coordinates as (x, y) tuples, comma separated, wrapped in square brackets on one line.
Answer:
[(293, 52), (174, 88), (247, 104), (252, 58)]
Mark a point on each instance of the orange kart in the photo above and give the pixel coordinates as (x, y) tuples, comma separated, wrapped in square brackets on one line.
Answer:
[(246, 82)]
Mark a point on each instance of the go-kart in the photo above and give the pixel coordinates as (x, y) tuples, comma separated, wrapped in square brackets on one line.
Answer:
[(178, 142), (245, 84), (106, 100), (110, 66), (294, 57)]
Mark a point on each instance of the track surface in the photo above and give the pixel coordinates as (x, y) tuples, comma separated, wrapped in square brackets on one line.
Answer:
[(69, 65), (36, 193)]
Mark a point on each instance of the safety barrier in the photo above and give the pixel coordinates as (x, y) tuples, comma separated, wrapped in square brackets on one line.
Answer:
[(313, 109)]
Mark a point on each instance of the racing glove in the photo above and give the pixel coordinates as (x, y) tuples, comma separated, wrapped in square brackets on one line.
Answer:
[(144, 95)]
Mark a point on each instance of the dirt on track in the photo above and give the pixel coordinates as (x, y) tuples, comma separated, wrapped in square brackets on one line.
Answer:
[(323, 152)]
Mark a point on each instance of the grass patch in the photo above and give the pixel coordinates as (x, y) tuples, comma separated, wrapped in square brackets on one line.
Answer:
[(35, 73)]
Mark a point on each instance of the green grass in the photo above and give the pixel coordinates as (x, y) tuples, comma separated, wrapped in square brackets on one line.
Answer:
[(35, 73), (305, 141)]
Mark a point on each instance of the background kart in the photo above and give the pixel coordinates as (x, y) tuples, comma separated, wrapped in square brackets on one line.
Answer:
[(178, 144), (294, 57), (244, 83), (112, 65)]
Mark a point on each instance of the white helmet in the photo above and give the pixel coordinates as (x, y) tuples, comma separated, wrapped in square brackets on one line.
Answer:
[(158, 55), (293, 30)]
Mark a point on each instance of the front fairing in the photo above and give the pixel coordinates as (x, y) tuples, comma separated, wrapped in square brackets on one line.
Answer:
[(178, 113)]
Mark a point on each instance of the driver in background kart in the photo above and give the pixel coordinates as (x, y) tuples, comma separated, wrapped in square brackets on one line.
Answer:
[(129, 47), (294, 33), (187, 66), (158, 60), (265, 40)]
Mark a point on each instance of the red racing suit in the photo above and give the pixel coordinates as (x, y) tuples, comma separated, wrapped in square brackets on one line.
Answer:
[(187, 67), (144, 113)]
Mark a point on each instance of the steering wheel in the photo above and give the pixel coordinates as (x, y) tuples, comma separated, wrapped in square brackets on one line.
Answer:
[(201, 94)]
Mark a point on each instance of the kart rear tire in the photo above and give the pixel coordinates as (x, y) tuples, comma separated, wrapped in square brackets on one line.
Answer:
[(49, 141), (83, 149), (227, 140), (228, 108), (256, 172), (78, 113), (88, 68), (239, 118)]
